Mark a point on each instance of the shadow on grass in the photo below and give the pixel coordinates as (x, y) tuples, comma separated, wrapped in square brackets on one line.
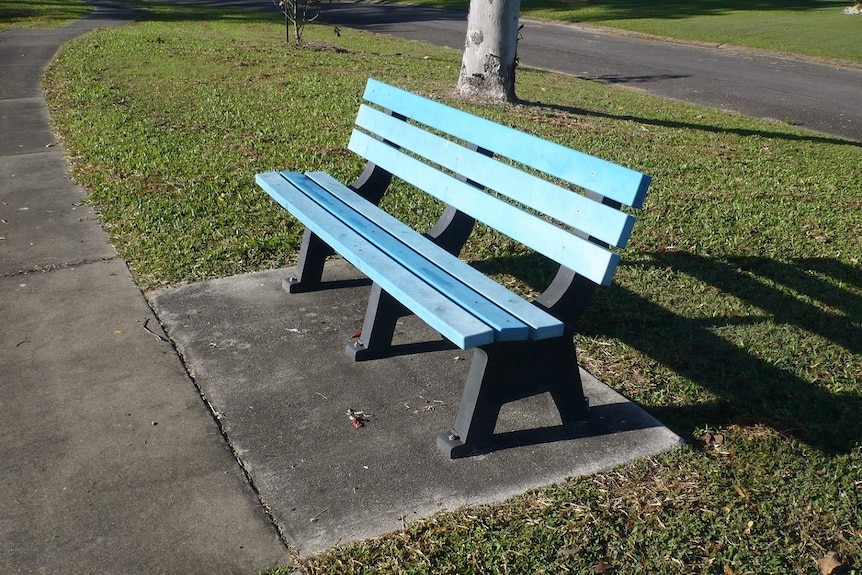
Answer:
[(12, 11), (333, 12), (204, 10), (806, 294), (636, 9), (811, 137)]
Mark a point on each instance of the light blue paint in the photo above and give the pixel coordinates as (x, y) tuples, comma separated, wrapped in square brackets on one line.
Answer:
[(599, 221), (584, 257), (454, 323), (542, 325), (588, 172)]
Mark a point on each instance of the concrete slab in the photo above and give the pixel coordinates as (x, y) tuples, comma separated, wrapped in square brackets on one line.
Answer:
[(109, 461), (24, 125), (43, 220), (23, 52), (273, 368)]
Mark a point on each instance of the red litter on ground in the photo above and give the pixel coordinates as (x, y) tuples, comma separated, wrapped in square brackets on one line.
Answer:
[(357, 418)]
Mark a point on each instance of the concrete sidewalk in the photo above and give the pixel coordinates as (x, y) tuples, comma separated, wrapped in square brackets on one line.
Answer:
[(110, 462)]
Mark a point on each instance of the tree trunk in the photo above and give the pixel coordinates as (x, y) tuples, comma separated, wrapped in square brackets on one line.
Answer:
[(488, 64)]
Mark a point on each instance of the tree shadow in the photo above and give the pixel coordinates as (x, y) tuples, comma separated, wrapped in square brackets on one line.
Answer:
[(352, 14), (208, 10), (808, 137), (369, 17), (817, 295), (637, 9), (10, 13)]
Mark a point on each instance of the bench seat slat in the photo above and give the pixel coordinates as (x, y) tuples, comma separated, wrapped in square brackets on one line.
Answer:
[(584, 257), (454, 323), (599, 221), (589, 172), (541, 324), (506, 326)]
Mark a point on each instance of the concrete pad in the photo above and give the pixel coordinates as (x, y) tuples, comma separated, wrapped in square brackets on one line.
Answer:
[(109, 460), (43, 222), (273, 368)]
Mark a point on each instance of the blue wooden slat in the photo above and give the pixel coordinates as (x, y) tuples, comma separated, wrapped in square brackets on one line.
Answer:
[(589, 260), (451, 321), (605, 178), (599, 221), (542, 324), (507, 326)]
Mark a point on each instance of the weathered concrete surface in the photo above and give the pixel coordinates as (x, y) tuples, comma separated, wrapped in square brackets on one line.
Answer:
[(110, 462), (273, 367)]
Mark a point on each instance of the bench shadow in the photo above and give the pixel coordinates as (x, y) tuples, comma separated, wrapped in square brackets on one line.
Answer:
[(811, 137), (819, 296), (603, 420)]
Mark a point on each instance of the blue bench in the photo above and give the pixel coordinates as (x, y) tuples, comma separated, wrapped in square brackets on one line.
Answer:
[(521, 348)]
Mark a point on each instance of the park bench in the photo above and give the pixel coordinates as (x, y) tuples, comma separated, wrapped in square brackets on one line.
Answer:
[(509, 180)]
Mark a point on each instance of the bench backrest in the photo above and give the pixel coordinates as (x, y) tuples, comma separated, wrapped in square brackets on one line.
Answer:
[(460, 144)]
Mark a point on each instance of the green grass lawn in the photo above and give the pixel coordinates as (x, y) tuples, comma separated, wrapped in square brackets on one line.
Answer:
[(40, 14), (737, 309), (816, 28)]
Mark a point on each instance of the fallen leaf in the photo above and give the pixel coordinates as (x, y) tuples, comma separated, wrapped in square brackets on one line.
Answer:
[(728, 570), (830, 564), (603, 567)]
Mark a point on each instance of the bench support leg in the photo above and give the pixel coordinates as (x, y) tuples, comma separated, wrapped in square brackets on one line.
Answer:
[(309, 268), (381, 316), (506, 372)]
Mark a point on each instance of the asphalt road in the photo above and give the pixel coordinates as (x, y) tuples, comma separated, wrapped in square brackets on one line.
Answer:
[(819, 97)]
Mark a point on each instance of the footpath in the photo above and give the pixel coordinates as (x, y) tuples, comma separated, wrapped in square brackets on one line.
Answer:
[(110, 462)]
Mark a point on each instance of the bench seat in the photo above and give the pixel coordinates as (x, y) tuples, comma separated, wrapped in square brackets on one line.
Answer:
[(465, 306)]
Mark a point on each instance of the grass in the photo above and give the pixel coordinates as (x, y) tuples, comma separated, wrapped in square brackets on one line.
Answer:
[(813, 28), (40, 14), (736, 313)]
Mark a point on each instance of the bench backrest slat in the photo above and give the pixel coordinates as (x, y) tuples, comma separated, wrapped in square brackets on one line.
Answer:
[(586, 258), (593, 218), (588, 172)]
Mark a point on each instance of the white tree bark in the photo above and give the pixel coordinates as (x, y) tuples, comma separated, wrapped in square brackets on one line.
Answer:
[(488, 64)]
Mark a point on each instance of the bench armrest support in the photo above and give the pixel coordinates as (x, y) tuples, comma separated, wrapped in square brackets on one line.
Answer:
[(567, 297)]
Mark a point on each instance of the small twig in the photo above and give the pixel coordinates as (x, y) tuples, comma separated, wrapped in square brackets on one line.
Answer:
[(154, 334), (316, 517)]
